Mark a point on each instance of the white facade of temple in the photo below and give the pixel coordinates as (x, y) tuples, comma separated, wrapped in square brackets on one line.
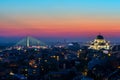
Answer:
[(99, 43)]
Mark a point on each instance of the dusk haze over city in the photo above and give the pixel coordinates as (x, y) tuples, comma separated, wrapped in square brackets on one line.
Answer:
[(59, 40), (59, 18)]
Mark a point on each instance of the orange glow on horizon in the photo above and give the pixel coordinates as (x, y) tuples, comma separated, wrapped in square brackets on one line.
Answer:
[(73, 26)]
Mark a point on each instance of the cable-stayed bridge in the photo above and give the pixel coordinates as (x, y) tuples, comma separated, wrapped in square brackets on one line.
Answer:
[(29, 42)]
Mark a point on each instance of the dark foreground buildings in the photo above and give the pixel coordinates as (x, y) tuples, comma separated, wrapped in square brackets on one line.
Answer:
[(63, 61)]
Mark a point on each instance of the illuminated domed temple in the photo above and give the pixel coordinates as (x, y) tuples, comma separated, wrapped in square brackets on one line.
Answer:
[(99, 43)]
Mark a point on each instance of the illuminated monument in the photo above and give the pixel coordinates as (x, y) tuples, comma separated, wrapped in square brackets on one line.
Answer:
[(30, 42), (99, 43)]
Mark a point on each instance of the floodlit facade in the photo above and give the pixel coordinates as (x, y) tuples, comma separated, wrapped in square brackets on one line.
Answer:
[(99, 43)]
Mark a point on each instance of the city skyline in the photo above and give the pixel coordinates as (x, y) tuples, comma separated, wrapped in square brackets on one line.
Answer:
[(51, 19), (59, 40)]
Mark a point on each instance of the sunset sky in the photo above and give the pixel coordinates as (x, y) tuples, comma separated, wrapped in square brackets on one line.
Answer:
[(59, 18)]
